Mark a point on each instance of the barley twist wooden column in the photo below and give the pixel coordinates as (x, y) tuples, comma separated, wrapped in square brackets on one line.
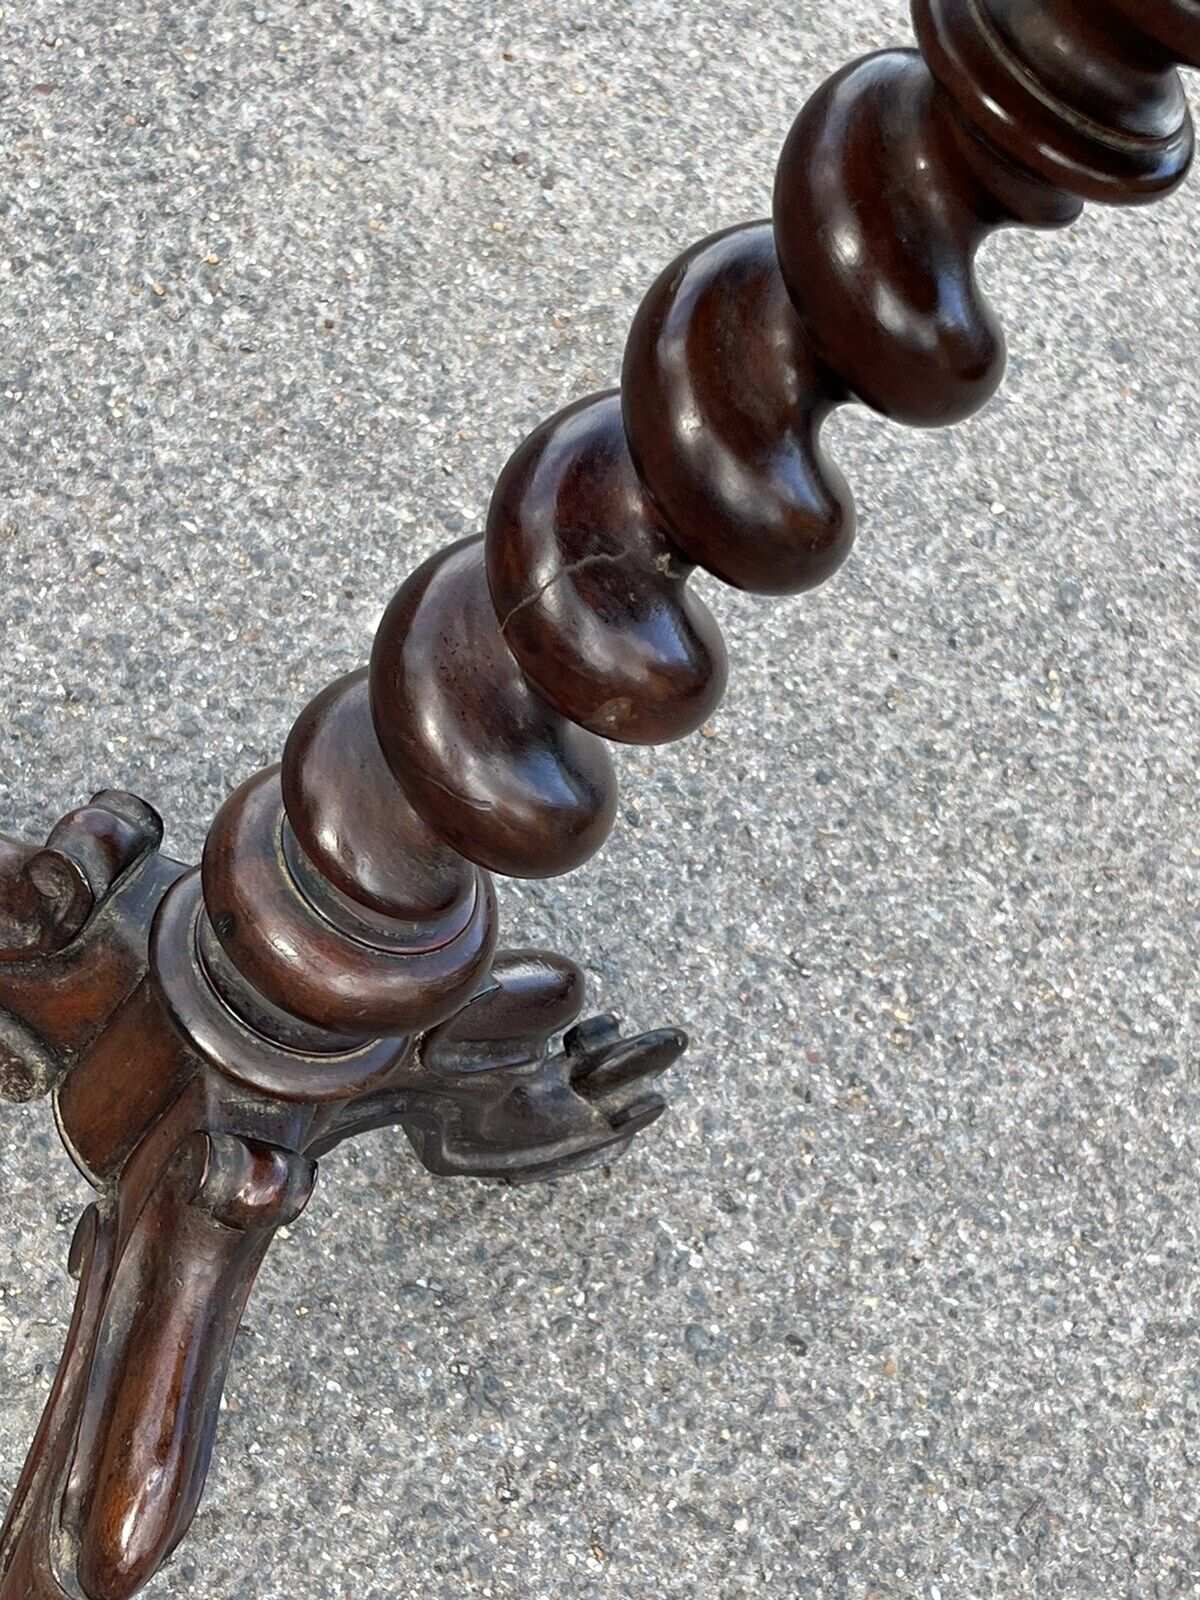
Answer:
[(208, 1034)]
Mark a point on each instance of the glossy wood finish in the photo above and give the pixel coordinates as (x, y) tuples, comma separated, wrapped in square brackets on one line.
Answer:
[(201, 1134), (209, 1034), (590, 594), (487, 763), (731, 446)]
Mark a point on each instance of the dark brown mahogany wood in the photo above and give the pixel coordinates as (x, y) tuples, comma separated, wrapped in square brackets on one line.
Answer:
[(208, 1034)]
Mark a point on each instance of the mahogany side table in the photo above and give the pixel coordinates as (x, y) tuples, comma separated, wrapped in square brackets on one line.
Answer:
[(208, 1033)]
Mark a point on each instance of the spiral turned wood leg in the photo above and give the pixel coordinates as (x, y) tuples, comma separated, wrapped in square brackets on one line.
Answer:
[(331, 967), (350, 888)]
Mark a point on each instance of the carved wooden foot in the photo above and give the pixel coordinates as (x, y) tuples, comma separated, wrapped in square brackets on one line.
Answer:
[(165, 1266), (201, 1136), (332, 966)]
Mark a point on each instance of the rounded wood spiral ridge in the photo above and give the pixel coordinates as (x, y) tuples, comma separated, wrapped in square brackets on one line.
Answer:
[(350, 887)]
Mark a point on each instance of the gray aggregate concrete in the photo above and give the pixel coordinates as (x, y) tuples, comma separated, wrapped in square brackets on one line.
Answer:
[(902, 1299)]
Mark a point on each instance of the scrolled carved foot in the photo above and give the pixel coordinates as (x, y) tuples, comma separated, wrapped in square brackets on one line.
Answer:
[(611, 1076), (72, 915), (503, 1106), (486, 1097), (165, 1265)]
